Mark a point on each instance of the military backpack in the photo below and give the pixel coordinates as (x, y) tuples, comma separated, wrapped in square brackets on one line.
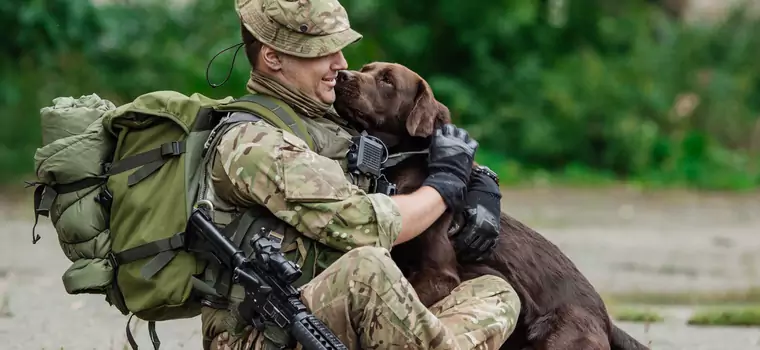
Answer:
[(119, 183)]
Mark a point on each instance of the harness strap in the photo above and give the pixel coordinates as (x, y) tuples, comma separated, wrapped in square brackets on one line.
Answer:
[(236, 117), (396, 158), (279, 112), (245, 221)]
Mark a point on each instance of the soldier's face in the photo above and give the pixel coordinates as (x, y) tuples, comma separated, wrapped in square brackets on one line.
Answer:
[(314, 76)]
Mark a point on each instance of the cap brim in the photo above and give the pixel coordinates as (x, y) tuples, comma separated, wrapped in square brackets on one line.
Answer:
[(295, 43)]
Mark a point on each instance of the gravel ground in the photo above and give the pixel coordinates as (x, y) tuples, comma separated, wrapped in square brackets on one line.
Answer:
[(623, 240)]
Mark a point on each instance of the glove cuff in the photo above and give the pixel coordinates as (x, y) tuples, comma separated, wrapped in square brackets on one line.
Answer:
[(488, 199), (450, 187)]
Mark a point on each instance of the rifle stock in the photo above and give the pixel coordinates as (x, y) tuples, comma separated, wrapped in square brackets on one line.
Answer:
[(267, 279)]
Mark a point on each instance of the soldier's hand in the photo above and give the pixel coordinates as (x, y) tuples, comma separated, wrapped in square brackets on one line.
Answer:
[(450, 163), (480, 232)]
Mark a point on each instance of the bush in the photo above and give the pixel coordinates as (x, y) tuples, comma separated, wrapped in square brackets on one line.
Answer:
[(616, 88)]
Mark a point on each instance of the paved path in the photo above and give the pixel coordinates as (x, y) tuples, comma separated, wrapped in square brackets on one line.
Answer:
[(622, 240)]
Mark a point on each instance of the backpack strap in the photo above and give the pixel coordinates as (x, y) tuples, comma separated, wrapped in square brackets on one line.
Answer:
[(150, 161), (273, 111)]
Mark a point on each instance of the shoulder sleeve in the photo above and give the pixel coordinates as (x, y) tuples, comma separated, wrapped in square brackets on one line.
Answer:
[(256, 163)]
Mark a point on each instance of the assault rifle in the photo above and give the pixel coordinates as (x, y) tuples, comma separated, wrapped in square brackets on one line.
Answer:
[(267, 279)]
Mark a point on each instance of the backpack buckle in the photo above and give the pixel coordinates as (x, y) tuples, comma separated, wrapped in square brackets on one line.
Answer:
[(173, 148), (112, 259), (104, 198)]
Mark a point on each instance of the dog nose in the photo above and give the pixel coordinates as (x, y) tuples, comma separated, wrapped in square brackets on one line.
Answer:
[(344, 75)]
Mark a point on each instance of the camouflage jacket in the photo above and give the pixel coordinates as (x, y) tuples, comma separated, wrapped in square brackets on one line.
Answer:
[(310, 190)]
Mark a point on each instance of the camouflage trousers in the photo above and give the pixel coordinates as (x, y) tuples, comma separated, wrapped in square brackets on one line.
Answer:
[(366, 301)]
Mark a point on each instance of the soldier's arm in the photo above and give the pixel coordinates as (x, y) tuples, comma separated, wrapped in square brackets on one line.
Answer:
[(258, 164), (418, 211)]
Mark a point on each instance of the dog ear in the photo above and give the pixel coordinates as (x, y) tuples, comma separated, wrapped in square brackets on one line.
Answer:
[(426, 113)]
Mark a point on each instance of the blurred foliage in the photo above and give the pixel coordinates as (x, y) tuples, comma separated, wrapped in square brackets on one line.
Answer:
[(747, 316), (554, 86)]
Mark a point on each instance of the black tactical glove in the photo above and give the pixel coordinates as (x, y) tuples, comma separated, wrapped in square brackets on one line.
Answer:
[(481, 228), (450, 163)]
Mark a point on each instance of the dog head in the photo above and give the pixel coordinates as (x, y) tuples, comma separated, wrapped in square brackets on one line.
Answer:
[(389, 99)]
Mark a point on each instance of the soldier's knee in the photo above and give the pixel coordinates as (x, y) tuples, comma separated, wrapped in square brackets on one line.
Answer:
[(505, 303), (489, 286), (505, 290)]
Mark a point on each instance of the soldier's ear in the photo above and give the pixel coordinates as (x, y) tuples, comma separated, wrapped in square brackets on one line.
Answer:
[(271, 58)]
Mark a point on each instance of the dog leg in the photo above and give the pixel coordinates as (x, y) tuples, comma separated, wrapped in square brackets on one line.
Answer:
[(568, 328)]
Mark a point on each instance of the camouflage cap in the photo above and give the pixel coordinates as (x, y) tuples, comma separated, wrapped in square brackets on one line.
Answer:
[(303, 28)]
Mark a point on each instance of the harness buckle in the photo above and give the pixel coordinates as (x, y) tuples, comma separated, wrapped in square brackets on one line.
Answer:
[(382, 185)]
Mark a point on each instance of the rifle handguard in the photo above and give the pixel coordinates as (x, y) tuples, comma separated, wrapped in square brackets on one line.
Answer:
[(310, 332)]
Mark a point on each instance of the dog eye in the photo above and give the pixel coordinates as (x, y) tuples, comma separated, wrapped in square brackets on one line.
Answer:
[(386, 78)]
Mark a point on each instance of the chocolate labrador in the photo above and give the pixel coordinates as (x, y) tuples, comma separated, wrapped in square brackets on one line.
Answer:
[(560, 308)]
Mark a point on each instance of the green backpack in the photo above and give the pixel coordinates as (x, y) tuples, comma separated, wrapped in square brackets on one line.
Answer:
[(118, 184)]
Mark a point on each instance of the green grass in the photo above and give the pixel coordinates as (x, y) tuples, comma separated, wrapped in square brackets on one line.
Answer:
[(638, 315), (730, 297), (733, 316)]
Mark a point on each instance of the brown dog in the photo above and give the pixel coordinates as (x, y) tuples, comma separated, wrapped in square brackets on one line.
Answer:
[(560, 308)]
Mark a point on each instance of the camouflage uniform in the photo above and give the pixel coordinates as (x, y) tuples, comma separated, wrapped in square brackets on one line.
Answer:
[(362, 296)]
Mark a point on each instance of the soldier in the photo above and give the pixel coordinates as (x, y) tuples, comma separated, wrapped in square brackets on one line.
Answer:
[(337, 231)]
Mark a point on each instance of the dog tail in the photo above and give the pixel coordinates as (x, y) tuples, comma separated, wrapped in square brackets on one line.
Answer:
[(620, 340)]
